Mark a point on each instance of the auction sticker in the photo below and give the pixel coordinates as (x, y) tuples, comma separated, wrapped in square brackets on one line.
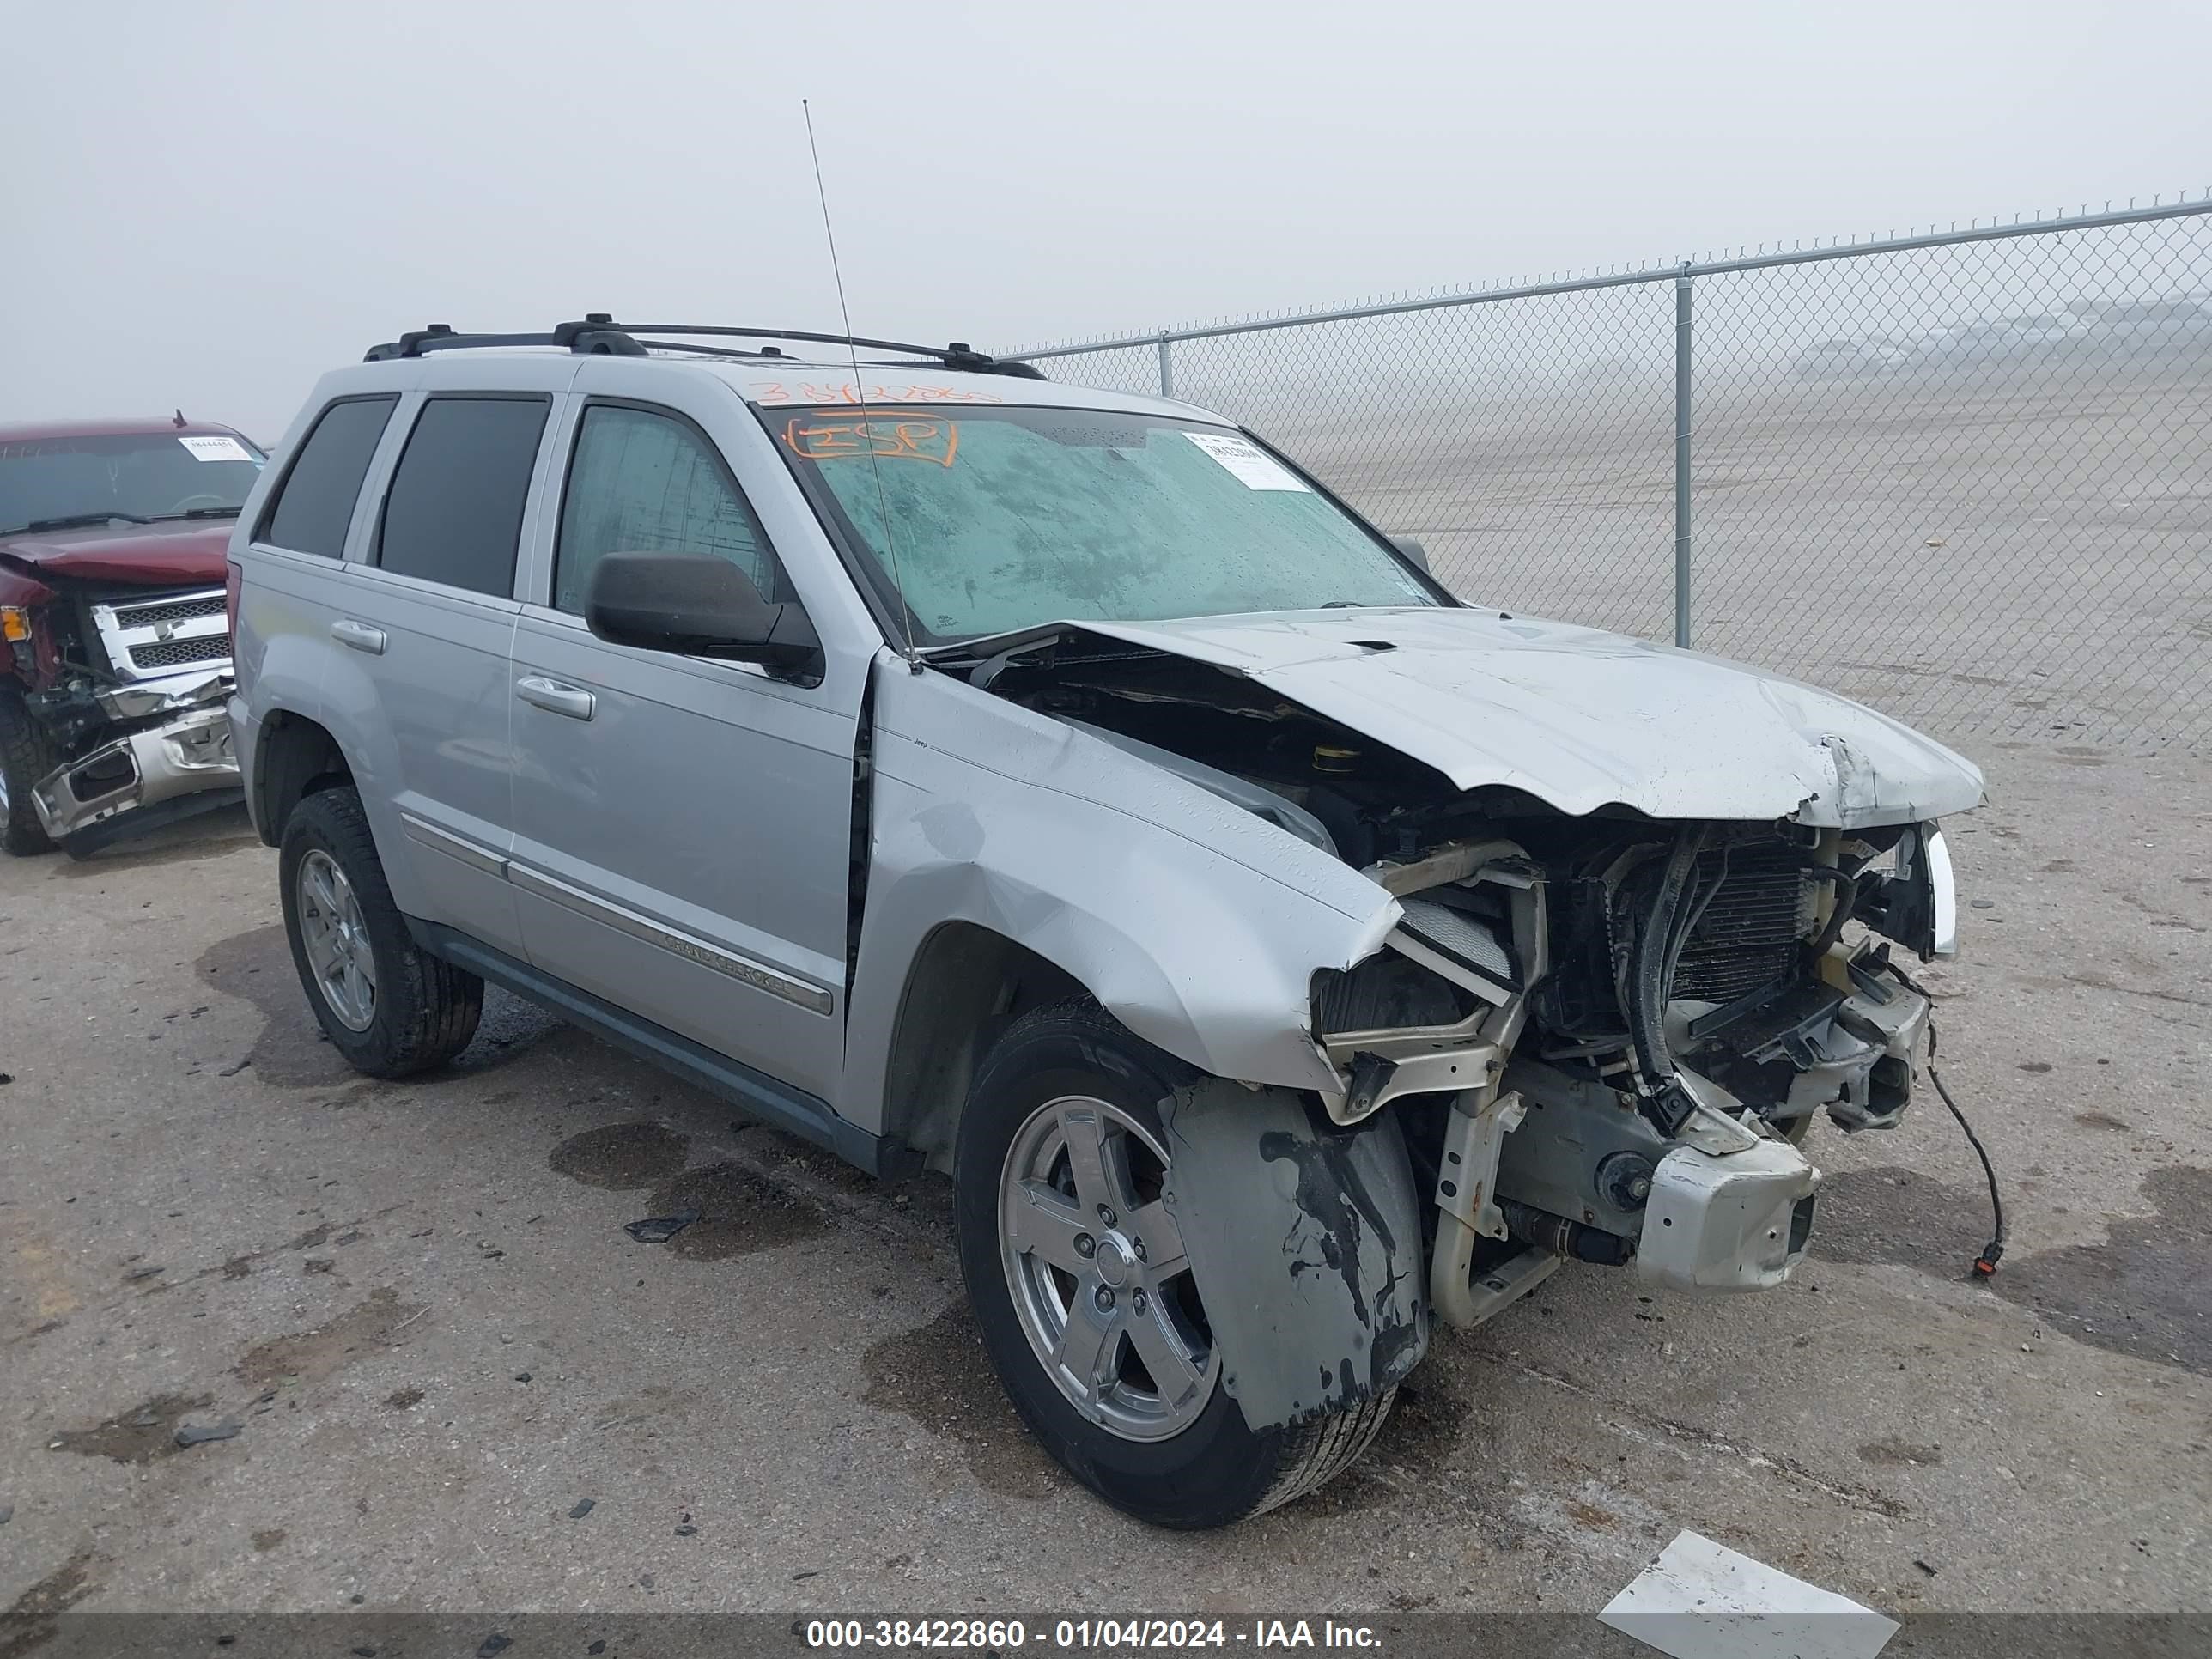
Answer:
[(214, 446), (1252, 467)]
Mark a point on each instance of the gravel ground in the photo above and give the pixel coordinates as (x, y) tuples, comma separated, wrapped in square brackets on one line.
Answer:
[(418, 1302)]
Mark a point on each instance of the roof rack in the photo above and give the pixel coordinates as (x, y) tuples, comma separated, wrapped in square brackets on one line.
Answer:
[(592, 335), (600, 334)]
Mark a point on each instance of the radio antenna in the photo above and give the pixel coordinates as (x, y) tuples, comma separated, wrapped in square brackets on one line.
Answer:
[(860, 393)]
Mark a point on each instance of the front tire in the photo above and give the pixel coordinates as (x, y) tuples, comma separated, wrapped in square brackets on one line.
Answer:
[(388, 1006), (1088, 1308), (27, 755)]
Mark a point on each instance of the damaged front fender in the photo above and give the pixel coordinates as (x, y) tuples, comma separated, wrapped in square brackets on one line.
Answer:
[(1194, 923), (1305, 1242)]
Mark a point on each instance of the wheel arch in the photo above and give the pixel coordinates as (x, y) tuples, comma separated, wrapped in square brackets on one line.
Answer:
[(294, 759), (963, 986)]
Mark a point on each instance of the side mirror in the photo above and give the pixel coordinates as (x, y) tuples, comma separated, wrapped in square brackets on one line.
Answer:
[(1412, 548), (701, 606)]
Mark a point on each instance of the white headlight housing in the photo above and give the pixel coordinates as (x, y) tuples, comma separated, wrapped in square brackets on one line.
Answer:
[(1942, 892)]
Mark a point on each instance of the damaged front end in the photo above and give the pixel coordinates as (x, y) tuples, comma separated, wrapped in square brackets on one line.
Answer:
[(171, 758), (1637, 1026), (1644, 907), (130, 687)]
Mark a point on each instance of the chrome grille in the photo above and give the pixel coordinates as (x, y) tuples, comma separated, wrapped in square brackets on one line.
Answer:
[(170, 611), (1749, 933), (158, 633), (176, 653)]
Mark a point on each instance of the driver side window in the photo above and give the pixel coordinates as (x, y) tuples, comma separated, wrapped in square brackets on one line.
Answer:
[(646, 483)]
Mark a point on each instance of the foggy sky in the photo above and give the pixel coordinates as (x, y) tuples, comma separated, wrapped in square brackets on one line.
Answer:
[(207, 205)]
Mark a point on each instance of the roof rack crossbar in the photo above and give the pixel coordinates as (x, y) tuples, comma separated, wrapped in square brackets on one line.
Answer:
[(599, 333), (592, 335)]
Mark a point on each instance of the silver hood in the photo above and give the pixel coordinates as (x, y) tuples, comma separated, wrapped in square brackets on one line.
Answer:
[(1583, 718)]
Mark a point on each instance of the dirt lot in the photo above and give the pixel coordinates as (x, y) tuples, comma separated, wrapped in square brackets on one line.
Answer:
[(419, 1302)]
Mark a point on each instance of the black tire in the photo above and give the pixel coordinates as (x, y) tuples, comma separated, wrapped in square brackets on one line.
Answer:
[(426, 1010), (28, 753), (1214, 1472)]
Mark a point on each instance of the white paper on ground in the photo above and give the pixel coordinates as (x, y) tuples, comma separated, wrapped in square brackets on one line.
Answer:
[(1701, 1600), (214, 446), (1251, 466)]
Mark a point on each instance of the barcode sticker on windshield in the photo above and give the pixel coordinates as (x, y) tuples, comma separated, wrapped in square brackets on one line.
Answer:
[(216, 447), (1252, 467)]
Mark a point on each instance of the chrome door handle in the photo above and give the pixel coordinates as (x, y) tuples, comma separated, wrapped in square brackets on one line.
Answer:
[(554, 697), (359, 636)]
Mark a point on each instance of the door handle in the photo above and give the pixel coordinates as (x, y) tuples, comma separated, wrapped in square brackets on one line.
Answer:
[(554, 697), (359, 636)]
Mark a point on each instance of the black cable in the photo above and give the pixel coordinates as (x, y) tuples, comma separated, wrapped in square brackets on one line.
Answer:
[(1695, 914), (1839, 910), (1665, 1102), (1986, 1263)]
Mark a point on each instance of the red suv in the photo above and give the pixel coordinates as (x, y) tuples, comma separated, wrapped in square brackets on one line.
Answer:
[(114, 642)]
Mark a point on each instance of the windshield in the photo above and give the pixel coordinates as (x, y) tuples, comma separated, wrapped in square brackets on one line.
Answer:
[(140, 475), (1005, 518)]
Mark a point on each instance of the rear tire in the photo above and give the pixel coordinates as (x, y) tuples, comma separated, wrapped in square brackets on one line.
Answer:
[(28, 753), (1202, 1466), (388, 1006)]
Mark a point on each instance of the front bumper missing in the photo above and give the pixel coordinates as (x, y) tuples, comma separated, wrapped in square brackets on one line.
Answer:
[(157, 767)]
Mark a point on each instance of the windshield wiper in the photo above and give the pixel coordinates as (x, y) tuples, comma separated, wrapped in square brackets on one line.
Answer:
[(197, 513), (79, 520)]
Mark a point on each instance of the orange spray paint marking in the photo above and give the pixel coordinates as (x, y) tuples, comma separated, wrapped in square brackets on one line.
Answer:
[(895, 437)]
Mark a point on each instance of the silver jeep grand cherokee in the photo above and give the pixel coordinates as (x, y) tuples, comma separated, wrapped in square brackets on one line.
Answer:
[(1064, 791)]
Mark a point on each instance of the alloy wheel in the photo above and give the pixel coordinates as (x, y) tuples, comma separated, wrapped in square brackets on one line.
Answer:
[(337, 941), (1101, 1283)]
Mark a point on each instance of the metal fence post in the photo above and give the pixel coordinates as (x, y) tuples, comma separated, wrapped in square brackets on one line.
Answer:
[(1682, 388), (1167, 365)]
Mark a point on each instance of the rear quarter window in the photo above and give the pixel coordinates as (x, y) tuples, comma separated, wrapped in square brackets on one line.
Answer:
[(453, 513), (314, 504)]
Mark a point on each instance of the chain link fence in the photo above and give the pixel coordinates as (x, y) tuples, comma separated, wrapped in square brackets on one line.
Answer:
[(1965, 477)]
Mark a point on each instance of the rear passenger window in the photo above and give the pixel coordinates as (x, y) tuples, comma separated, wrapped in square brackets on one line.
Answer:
[(642, 482), (314, 504), (453, 513)]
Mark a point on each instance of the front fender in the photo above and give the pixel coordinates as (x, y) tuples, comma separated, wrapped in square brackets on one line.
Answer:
[(1305, 1240), (1195, 924)]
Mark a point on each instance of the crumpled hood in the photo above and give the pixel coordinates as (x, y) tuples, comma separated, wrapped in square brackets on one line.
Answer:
[(185, 550), (1583, 718)]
